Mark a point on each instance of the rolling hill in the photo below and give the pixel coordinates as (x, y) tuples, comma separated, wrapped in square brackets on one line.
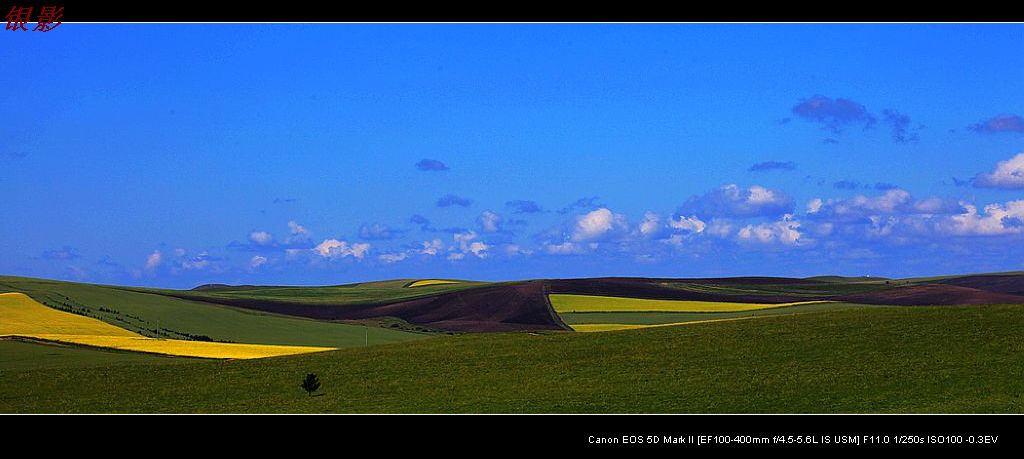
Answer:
[(753, 344)]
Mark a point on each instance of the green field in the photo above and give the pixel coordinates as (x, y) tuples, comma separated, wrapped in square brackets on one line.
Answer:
[(878, 359), (339, 295), (167, 317), (654, 318), (20, 355), (823, 289), (592, 303)]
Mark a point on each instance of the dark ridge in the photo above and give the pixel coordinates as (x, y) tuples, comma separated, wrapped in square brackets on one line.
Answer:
[(205, 287), (932, 294), (847, 278), (1012, 284), (649, 288), (214, 287), (748, 280)]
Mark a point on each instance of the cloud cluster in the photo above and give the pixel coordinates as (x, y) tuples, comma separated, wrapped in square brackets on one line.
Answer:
[(490, 222), (833, 114), (731, 201), (256, 261), (261, 238), (426, 248), (1008, 174), (1000, 124), (599, 225), (431, 165), (785, 231), (334, 248), (893, 201), (520, 206), (587, 203), (153, 260), (773, 166), (466, 244), (994, 220), (899, 123), (378, 232), (449, 200)]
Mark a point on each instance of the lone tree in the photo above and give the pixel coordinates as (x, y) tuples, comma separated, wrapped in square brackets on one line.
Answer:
[(311, 383)]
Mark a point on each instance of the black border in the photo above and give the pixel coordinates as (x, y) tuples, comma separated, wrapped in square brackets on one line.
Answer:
[(180, 11), (537, 435)]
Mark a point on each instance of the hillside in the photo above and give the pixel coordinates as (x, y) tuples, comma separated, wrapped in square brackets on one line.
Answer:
[(881, 359)]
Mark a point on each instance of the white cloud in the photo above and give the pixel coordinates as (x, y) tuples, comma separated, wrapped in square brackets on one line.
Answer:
[(478, 248), (153, 260), (196, 263), (893, 202), (598, 224), (650, 224), (761, 195), (257, 261), (565, 248), (514, 249), (785, 231), (333, 248), (393, 257), (674, 240), (261, 237), (691, 224), (1007, 174), (720, 228), (814, 205), (731, 201), (466, 244), (490, 222), (431, 247), (297, 229), (994, 220), (886, 203)]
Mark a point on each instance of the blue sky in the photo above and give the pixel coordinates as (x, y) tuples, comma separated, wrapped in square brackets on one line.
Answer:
[(173, 155)]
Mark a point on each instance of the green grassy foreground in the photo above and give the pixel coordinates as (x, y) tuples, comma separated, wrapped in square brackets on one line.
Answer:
[(880, 359), (167, 317), (20, 355)]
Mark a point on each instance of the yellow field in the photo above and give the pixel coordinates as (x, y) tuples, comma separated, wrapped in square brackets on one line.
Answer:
[(591, 303), (591, 328), (21, 316), (423, 282)]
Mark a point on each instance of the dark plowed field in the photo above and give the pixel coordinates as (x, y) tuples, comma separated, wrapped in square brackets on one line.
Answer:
[(506, 307), (1003, 283), (932, 294)]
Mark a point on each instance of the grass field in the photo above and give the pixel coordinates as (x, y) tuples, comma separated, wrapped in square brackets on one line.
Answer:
[(19, 355), (606, 327), (815, 290), (657, 318), (591, 303), (878, 359), (167, 317), (23, 317), (628, 320), (339, 295)]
